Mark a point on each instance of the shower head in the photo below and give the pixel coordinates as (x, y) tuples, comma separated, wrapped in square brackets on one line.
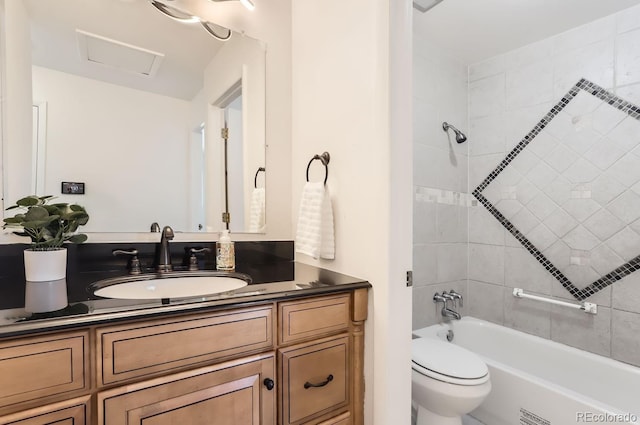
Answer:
[(460, 137)]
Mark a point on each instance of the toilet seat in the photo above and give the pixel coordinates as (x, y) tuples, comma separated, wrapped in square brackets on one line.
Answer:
[(447, 362)]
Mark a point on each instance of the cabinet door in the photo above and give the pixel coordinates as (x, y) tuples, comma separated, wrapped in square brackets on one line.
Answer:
[(315, 380), (35, 370), (232, 393), (72, 412)]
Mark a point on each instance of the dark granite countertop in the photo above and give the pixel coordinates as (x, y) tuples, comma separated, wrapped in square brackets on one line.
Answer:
[(308, 280)]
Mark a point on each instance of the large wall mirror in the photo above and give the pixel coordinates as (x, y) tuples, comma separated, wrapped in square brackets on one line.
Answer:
[(130, 103)]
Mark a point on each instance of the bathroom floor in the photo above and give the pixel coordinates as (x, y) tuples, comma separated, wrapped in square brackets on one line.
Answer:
[(466, 420)]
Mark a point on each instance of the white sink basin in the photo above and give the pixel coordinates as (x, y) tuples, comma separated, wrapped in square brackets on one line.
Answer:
[(170, 287)]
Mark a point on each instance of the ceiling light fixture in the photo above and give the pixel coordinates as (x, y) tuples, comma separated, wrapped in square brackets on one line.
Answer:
[(248, 4), (174, 13), (216, 31)]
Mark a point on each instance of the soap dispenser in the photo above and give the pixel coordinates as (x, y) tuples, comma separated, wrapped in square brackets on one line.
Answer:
[(225, 252)]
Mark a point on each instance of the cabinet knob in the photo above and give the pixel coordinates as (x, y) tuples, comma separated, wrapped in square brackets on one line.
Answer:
[(268, 382), (308, 384)]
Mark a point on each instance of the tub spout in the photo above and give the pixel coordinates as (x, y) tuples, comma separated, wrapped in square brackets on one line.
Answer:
[(450, 314)]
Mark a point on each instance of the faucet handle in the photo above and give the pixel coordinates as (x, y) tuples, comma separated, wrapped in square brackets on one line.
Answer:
[(193, 260), (456, 296), (134, 262), (437, 298), (447, 296)]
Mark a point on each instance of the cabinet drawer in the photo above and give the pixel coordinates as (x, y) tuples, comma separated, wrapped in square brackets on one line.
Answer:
[(315, 379), (39, 367), (344, 419), (308, 318), (147, 348), (229, 393), (71, 412)]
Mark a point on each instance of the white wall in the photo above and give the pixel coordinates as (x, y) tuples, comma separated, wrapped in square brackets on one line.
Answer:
[(17, 102), (351, 88), (130, 147)]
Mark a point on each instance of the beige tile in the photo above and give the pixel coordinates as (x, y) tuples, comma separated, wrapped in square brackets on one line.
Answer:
[(625, 344), (486, 263), (581, 330), (530, 316), (486, 301), (522, 270), (626, 293)]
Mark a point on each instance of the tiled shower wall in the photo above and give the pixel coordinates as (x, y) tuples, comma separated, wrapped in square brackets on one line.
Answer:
[(507, 96), (440, 180)]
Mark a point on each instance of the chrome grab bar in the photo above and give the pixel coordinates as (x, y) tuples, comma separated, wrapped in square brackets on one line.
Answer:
[(587, 307)]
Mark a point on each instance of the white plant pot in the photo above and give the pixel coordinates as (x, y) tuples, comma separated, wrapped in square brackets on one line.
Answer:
[(44, 266), (42, 297), (46, 286)]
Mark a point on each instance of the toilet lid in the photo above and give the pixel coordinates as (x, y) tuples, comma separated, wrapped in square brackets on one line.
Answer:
[(446, 360)]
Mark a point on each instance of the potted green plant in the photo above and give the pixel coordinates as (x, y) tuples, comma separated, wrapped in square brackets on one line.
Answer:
[(50, 226)]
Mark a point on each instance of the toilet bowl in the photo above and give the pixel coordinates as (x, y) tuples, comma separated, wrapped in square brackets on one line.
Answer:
[(447, 381)]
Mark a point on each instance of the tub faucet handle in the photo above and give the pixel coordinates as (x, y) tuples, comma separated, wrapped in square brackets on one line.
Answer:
[(437, 298), (448, 297), (456, 296)]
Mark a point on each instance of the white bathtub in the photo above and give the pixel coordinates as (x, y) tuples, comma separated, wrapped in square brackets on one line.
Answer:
[(540, 382)]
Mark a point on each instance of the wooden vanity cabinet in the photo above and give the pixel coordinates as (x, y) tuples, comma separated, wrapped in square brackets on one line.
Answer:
[(234, 392), (70, 412), (43, 369), (320, 359), (293, 362)]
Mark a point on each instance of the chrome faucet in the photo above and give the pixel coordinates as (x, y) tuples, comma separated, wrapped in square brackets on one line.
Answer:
[(450, 314), (446, 311), (164, 254)]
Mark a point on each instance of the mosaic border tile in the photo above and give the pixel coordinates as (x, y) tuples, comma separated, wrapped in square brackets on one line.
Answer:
[(611, 277)]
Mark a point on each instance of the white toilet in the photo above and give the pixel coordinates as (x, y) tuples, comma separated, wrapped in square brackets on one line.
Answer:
[(447, 381)]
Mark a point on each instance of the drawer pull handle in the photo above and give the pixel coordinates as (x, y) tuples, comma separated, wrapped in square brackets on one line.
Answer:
[(268, 382), (308, 384)]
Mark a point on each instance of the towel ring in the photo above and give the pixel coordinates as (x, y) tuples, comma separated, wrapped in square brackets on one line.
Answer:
[(324, 158), (255, 179)]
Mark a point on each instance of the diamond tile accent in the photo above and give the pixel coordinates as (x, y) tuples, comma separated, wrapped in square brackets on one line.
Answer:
[(584, 188)]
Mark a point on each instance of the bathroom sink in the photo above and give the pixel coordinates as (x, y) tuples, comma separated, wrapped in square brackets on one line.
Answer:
[(169, 285)]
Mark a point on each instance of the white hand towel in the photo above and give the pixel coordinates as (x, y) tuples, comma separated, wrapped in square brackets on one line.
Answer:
[(257, 210), (315, 235)]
